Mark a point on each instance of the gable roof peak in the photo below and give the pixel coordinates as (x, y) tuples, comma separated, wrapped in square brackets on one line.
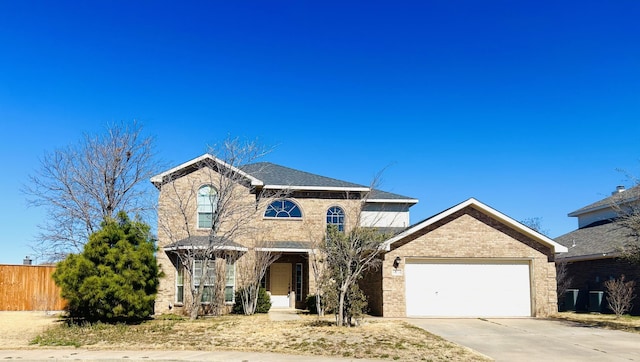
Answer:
[(206, 158), (620, 196), (487, 210), (269, 175)]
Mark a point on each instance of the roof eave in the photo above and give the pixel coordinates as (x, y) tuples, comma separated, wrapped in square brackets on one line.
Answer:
[(556, 247), (393, 201), (198, 247), (158, 179), (315, 188), (603, 207), (590, 257), (287, 250)]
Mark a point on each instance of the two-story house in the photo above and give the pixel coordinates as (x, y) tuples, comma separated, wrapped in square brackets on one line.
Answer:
[(468, 260), (594, 250)]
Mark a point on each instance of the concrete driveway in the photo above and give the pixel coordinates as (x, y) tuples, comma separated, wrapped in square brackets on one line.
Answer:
[(530, 339)]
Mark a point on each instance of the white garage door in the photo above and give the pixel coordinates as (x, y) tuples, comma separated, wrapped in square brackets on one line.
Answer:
[(467, 289)]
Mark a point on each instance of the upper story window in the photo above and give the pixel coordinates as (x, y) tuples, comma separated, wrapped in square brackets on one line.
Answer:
[(283, 209), (335, 216), (207, 200)]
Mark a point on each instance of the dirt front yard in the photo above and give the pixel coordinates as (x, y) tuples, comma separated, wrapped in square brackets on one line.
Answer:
[(17, 329), (377, 338)]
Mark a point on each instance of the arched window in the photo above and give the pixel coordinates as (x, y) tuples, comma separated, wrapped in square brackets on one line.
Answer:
[(207, 203), (335, 216), (283, 209)]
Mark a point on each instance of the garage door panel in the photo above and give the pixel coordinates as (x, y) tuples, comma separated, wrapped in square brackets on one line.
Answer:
[(467, 289)]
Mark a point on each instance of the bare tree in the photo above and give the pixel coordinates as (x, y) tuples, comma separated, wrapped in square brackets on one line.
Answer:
[(234, 201), (535, 223), (82, 184), (251, 271), (348, 255), (317, 261), (563, 280), (620, 295), (626, 203)]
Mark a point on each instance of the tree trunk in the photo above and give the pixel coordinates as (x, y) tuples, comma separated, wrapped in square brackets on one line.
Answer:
[(340, 319), (195, 303), (319, 304)]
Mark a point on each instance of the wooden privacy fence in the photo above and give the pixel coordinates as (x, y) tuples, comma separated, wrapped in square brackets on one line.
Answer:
[(29, 287)]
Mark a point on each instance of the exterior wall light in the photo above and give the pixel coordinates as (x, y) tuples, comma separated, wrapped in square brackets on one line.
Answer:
[(396, 262)]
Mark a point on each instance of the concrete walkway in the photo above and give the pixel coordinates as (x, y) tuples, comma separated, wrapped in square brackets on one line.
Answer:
[(283, 314), (150, 356), (530, 339)]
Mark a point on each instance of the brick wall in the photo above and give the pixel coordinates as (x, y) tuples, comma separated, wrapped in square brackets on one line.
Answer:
[(173, 224), (371, 285), (590, 275), (470, 234)]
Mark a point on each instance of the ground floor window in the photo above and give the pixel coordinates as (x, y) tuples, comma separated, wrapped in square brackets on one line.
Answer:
[(180, 285), (209, 280), (230, 282), (299, 282)]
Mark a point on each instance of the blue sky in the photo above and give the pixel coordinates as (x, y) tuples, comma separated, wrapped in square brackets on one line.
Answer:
[(531, 107)]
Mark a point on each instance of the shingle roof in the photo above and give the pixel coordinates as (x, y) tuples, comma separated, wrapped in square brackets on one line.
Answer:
[(598, 240), (293, 245), (384, 195), (615, 199), (272, 174), (276, 175), (265, 174), (203, 242)]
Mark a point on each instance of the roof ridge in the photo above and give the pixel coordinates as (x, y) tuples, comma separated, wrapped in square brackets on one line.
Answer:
[(620, 197)]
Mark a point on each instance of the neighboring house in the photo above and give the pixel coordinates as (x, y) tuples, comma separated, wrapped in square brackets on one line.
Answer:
[(594, 249), (469, 260)]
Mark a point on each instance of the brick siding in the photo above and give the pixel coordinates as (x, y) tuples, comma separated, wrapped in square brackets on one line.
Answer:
[(469, 234), (311, 227), (590, 275)]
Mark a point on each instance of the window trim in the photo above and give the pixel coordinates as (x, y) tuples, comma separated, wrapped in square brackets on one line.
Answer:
[(230, 266), (213, 206), (342, 226), (299, 280), (179, 299), (199, 279), (288, 212), (228, 283)]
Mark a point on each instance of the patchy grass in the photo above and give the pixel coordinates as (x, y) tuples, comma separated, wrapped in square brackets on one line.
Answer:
[(625, 323), (375, 339)]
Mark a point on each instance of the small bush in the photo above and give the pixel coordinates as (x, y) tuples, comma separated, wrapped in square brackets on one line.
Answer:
[(620, 295), (264, 301), (262, 306), (311, 304)]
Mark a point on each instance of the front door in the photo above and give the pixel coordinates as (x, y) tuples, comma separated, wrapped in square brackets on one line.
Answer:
[(280, 284)]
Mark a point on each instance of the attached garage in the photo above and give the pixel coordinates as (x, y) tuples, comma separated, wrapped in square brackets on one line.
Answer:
[(467, 288), (467, 261)]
